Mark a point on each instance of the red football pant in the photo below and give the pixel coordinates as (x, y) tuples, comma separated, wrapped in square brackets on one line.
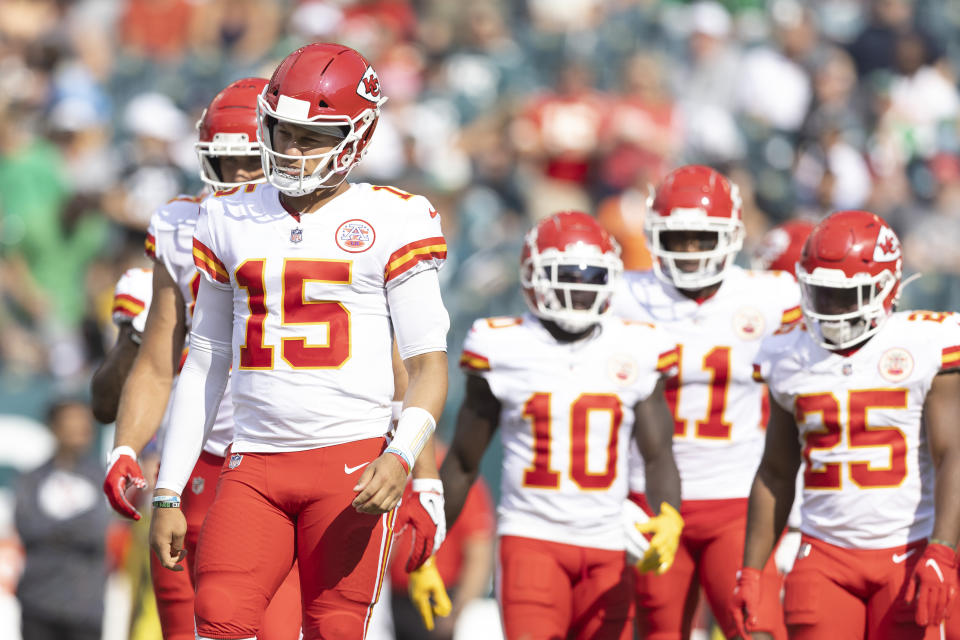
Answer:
[(174, 589), (272, 508), (842, 594), (554, 591), (710, 553)]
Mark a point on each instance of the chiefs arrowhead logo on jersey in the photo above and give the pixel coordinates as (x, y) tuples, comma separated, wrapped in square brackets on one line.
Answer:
[(355, 236), (369, 86), (896, 364), (887, 248), (748, 323), (622, 370)]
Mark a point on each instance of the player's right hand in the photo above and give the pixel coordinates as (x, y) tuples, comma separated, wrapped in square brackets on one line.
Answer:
[(123, 472), (746, 600), (168, 528), (426, 584), (381, 485)]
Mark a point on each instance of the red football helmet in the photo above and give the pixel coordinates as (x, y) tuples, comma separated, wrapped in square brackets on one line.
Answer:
[(569, 268), (324, 87), (849, 275), (780, 248), (694, 198), (228, 127)]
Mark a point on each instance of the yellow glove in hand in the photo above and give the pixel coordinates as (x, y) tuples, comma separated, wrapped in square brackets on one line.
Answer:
[(666, 528), (426, 583)]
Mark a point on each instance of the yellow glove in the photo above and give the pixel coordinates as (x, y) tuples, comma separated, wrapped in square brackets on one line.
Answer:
[(426, 583), (666, 529)]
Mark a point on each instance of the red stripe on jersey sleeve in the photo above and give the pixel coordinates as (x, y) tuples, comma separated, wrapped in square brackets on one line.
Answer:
[(207, 260), (474, 361), (406, 257)]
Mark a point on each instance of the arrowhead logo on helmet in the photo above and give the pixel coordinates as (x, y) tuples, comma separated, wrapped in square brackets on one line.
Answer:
[(369, 86), (887, 248)]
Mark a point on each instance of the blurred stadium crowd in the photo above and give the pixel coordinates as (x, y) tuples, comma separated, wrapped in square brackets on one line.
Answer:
[(501, 112)]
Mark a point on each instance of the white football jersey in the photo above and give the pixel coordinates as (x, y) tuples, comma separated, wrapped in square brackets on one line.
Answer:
[(312, 334), (566, 420), (170, 244), (717, 406), (868, 483), (131, 298)]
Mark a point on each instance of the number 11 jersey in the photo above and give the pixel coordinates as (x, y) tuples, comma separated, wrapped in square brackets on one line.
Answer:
[(716, 404)]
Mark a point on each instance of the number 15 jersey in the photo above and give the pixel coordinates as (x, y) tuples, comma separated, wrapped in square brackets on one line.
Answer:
[(312, 333), (566, 420)]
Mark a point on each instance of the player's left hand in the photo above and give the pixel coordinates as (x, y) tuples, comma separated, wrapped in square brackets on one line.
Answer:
[(666, 528), (428, 593), (421, 520), (168, 528), (381, 485), (933, 584)]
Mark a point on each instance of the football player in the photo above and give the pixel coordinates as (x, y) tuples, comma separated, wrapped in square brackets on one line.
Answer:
[(305, 280), (229, 156), (718, 313), (570, 386), (866, 398)]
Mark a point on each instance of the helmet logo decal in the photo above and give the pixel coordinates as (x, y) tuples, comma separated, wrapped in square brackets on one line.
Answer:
[(369, 86), (887, 248), (355, 236), (293, 108)]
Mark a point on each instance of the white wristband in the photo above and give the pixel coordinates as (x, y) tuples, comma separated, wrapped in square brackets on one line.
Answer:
[(122, 450), (414, 428)]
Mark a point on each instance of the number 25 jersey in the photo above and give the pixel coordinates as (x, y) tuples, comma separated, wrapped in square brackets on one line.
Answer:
[(718, 433), (312, 333), (868, 481), (567, 415)]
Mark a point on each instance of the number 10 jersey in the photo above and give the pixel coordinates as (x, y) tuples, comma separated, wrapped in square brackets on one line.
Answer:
[(567, 416)]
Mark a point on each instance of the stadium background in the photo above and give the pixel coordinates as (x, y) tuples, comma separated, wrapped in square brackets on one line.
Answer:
[(500, 112)]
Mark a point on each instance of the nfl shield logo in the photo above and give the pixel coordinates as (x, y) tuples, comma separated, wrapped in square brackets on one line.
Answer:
[(296, 235), (235, 460), (197, 485)]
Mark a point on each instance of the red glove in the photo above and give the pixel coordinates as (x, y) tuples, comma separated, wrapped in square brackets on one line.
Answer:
[(746, 600), (933, 584), (421, 520), (122, 473)]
